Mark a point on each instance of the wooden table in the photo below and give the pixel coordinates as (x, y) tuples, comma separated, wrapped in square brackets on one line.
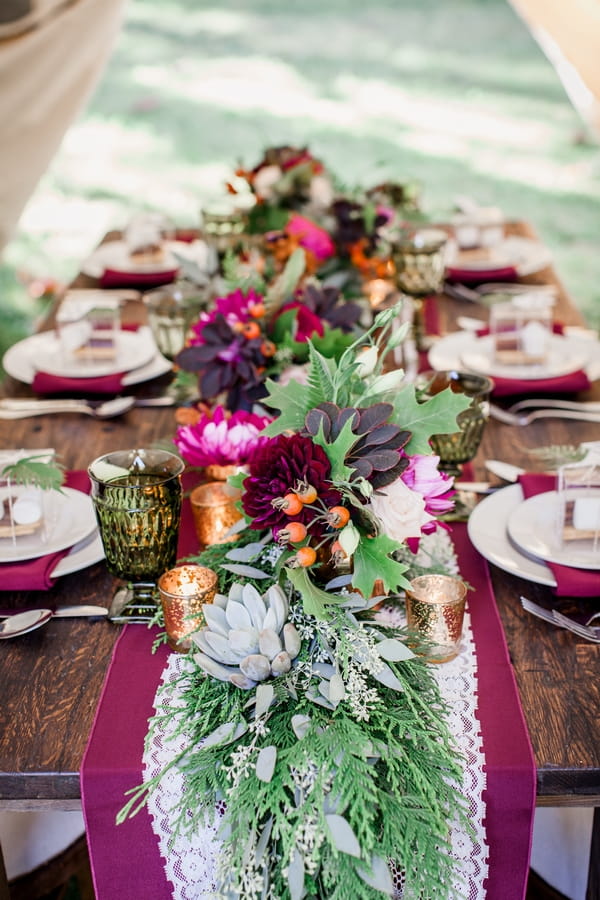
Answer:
[(51, 679)]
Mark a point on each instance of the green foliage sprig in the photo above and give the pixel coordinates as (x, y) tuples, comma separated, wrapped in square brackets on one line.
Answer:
[(35, 471)]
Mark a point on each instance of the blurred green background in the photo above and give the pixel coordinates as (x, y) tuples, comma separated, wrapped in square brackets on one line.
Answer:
[(455, 94)]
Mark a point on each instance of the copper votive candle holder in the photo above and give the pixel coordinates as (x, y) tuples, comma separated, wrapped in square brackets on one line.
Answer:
[(183, 591), (435, 609), (214, 512)]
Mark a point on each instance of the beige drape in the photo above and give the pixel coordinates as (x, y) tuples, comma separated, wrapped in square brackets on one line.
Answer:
[(568, 31), (52, 53)]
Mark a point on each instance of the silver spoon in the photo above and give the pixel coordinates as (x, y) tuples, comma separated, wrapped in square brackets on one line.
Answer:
[(17, 624)]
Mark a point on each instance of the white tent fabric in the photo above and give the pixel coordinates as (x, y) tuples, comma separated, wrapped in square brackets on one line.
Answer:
[(52, 53), (569, 35)]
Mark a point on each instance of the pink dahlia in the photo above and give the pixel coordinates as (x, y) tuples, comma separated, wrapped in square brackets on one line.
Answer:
[(306, 322), (221, 439), (236, 308), (311, 237), (423, 476), (278, 464)]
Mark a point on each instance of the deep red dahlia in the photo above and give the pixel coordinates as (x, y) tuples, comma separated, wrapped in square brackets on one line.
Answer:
[(276, 467)]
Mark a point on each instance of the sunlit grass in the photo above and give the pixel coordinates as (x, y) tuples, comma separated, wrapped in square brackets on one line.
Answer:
[(455, 94)]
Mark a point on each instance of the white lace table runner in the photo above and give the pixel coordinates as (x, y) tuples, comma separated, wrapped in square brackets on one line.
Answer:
[(190, 862)]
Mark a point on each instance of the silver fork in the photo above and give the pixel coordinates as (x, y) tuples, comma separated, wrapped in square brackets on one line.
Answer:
[(590, 633), (582, 406), (510, 418)]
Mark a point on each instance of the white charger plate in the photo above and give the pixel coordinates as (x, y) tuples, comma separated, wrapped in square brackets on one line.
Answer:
[(522, 254), (69, 517), (448, 352), (487, 529), (115, 255), (132, 350), (533, 527), (565, 355), (82, 554), (21, 363)]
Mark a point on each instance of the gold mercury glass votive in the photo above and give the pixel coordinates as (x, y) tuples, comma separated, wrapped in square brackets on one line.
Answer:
[(182, 591), (214, 512), (435, 609)]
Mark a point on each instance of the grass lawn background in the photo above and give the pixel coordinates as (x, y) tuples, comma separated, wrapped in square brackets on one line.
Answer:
[(455, 94)]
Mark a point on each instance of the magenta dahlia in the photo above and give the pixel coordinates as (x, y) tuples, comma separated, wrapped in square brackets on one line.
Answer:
[(278, 464), (221, 439)]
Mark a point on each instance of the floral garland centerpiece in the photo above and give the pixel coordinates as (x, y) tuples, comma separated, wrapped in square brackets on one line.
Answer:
[(314, 738), (258, 328)]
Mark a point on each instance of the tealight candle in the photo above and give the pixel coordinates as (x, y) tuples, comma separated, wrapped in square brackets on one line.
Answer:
[(214, 510), (435, 608), (183, 591)]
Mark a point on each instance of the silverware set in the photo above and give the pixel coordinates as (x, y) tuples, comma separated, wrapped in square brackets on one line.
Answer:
[(547, 409), (583, 630), (22, 408)]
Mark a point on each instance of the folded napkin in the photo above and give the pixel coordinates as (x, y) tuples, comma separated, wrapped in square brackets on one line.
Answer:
[(47, 383), (36, 574), (113, 278), (479, 276), (570, 582), (558, 384)]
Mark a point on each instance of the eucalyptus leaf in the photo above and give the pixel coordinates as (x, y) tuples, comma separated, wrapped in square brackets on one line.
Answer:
[(338, 582), (263, 840), (264, 698), (337, 689), (387, 677), (224, 734), (265, 764), (379, 877), (393, 650), (245, 553), (342, 835), (248, 571), (296, 875), (300, 725)]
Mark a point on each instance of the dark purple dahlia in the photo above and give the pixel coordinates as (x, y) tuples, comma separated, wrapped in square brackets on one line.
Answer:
[(276, 467), (225, 361)]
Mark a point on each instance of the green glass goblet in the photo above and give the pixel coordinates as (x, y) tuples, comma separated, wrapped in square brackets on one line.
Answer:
[(460, 446), (420, 264), (137, 498)]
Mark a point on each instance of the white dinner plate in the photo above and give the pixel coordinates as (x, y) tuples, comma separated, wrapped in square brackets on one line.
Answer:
[(534, 527), (81, 555), (69, 517), (132, 350), (522, 254), (115, 255), (448, 352), (487, 529), (20, 360), (564, 356)]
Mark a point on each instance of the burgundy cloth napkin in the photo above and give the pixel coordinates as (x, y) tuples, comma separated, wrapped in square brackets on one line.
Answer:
[(36, 574), (112, 763), (479, 276), (112, 278), (46, 383), (570, 582), (561, 384)]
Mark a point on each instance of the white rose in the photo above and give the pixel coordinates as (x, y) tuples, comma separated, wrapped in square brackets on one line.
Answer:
[(400, 511)]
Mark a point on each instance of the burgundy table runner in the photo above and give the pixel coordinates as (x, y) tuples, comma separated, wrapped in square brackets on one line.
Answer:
[(125, 858)]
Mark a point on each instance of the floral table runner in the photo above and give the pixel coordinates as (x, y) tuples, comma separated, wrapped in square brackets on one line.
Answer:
[(126, 859)]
